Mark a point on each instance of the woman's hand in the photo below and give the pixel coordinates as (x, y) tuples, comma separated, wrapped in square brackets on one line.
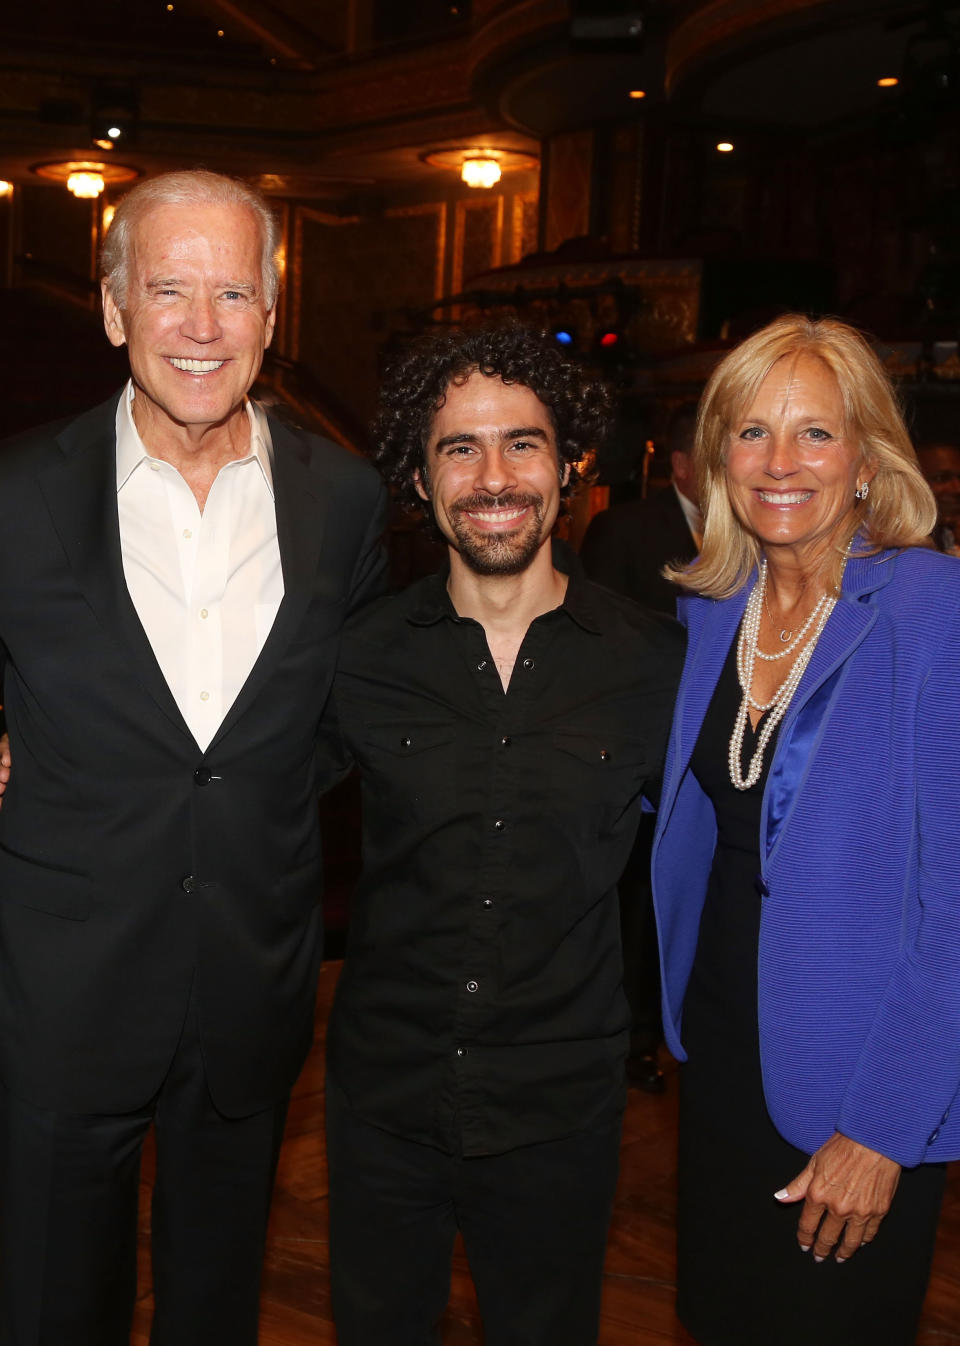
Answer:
[(846, 1190)]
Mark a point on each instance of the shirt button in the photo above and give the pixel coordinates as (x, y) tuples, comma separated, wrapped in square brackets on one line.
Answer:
[(204, 696), (486, 902), (203, 775), (190, 884), (405, 742), (505, 741), (481, 666), (499, 825), (188, 532), (529, 663), (204, 613), (473, 986), (154, 467), (461, 1051), (604, 755)]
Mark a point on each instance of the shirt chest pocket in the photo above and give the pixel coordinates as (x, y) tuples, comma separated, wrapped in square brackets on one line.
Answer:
[(410, 771), (600, 777)]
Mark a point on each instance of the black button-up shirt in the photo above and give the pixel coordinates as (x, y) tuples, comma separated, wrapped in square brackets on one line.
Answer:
[(481, 1005)]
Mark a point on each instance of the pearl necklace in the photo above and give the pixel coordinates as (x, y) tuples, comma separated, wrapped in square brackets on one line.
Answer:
[(747, 652), (785, 635)]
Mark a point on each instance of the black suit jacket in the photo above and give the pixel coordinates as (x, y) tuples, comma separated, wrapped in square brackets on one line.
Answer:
[(133, 865), (627, 546)]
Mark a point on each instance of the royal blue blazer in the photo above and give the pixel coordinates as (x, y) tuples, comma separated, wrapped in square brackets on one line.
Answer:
[(859, 958)]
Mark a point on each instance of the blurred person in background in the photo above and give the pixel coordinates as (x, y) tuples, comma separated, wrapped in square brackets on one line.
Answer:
[(940, 464), (626, 548)]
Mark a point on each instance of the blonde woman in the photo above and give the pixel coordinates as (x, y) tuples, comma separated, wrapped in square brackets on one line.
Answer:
[(806, 857)]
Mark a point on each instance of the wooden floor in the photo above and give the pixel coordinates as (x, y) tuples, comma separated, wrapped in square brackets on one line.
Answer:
[(638, 1287)]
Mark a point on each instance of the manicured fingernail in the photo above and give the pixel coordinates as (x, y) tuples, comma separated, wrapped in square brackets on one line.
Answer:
[(781, 1195), (816, 1258), (805, 1247), (840, 1261)]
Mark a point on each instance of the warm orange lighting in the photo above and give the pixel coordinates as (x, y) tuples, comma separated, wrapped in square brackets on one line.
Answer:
[(102, 143), (725, 146), (87, 186), (638, 93), (888, 82), (108, 214), (219, 32), (6, 188), (480, 172)]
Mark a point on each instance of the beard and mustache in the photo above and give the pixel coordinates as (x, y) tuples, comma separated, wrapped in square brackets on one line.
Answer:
[(506, 553)]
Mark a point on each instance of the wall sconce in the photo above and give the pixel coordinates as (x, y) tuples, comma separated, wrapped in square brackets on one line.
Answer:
[(6, 188)]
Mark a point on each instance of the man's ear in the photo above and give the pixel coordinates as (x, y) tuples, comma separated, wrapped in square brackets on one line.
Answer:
[(270, 324), (112, 317), (565, 474), (421, 490)]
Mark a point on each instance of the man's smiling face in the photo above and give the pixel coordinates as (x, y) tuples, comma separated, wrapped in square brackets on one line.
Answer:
[(492, 473), (195, 322)]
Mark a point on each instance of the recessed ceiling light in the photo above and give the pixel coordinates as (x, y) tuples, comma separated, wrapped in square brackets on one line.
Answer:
[(888, 82), (638, 93), (725, 146)]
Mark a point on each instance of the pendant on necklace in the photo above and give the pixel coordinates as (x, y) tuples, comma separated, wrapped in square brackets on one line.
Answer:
[(786, 636)]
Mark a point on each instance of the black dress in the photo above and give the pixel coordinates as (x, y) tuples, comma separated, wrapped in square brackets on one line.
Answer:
[(742, 1279)]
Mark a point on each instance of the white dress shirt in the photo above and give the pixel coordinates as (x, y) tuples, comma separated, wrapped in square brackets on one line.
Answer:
[(206, 586), (692, 515)]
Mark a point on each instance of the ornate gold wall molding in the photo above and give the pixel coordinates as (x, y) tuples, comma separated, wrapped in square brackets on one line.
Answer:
[(301, 215), (477, 238)]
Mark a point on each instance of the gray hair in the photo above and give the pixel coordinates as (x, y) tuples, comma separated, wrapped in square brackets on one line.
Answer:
[(193, 187)]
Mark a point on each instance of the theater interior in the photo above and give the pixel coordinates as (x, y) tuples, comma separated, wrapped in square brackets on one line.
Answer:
[(651, 180)]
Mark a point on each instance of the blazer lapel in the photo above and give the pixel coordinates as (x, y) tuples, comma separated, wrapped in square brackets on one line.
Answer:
[(81, 495), (301, 500), (806, 720)]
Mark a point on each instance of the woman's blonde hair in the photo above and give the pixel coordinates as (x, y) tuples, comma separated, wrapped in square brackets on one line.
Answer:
[(900, 510)]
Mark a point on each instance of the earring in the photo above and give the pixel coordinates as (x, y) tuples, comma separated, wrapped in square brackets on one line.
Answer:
[(862, 492)]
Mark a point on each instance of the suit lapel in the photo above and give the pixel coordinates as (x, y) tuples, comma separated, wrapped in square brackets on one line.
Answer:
[(80, 492), (301, 498)]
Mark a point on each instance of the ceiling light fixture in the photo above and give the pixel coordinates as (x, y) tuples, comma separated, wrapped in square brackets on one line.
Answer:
[(638, 93), (725, 146), (85, 185), (481, 165), (6, 188), (888, 82), (86, 177), (481, 171)]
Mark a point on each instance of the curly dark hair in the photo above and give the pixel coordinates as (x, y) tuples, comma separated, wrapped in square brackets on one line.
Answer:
[(415, 382)]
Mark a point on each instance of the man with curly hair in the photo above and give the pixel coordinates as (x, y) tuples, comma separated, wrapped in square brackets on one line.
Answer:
[(506, 719)]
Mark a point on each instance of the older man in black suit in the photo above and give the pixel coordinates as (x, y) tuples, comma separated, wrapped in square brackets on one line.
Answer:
[(176, 567)]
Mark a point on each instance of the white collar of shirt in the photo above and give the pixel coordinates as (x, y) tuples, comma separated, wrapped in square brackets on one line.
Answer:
[(692, 515), (131, 451)]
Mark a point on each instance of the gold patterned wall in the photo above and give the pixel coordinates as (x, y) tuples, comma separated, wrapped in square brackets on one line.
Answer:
[(354, 280), (353, 277), (570, 167)]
